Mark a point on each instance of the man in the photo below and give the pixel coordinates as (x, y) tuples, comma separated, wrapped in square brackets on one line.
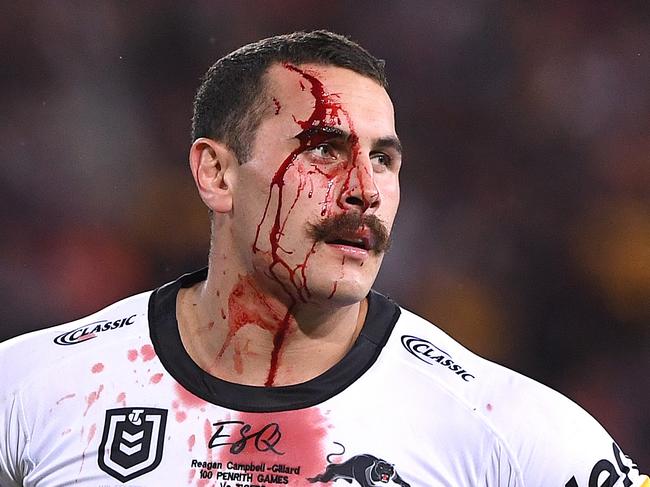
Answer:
[(277, 364)]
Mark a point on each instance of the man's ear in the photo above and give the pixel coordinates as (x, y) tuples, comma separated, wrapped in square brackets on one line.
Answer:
[(213, 166)]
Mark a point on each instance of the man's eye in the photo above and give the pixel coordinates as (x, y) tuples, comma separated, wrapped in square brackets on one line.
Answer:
[(382, 159), (324, 151)]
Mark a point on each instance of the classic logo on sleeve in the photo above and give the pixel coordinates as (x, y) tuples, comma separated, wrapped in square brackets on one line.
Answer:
[(432, 355), (132, 442), (90, 331)]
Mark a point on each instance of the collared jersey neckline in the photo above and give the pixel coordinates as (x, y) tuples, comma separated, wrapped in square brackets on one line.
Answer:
[(380, 321)]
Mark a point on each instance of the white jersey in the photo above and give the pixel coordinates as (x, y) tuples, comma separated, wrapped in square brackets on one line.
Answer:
[(114, 399)]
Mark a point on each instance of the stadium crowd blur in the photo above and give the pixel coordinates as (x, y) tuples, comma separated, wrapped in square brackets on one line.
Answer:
[(524, 229)]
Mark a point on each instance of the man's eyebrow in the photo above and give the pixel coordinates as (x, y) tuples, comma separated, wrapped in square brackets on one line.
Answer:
[(389, 142), (327, 132)]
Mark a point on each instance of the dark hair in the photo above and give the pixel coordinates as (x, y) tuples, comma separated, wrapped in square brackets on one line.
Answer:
[(230, 103)]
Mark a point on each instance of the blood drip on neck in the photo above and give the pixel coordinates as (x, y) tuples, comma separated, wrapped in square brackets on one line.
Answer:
[(327, 111)]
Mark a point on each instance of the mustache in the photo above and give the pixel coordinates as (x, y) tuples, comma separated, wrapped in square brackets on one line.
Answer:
[(349, 226)]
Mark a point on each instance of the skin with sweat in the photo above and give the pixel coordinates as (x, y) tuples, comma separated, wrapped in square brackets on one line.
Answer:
[(299, 230)]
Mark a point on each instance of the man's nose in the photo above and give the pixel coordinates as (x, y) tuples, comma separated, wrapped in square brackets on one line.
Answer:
[(360, 191)]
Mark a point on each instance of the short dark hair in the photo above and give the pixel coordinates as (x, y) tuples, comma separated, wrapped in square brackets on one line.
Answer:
[(230, 103)]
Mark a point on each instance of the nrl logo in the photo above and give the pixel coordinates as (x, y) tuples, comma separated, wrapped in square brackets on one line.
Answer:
[(132, 442)]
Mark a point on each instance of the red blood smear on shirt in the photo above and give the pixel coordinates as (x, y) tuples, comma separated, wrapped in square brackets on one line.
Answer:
[(156, 378), (181, 416), (91, 435), (97, 368), (148, 353), (68, 396), (207, 433), (302, 442), (190, 442), (132, 355), (187, 399), (121, 397), (92, 397)]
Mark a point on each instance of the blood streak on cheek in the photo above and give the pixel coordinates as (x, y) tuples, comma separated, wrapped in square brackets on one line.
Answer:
[(327, 112), (293, 438)]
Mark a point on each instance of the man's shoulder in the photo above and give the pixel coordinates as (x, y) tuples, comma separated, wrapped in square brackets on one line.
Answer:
[(538, 429), (28, 354)]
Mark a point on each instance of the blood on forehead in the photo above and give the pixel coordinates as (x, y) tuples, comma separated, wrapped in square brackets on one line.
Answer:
[(292, 277), (327, 107)]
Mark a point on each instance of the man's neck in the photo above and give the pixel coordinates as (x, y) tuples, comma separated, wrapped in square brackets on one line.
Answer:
[(238, 332)]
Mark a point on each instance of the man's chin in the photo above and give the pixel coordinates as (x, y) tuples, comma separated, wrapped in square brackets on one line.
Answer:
[(339, 293)]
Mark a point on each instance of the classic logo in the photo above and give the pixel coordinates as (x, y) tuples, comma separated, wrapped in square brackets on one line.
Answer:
[(132, 442), (430, 354), (89, 331)]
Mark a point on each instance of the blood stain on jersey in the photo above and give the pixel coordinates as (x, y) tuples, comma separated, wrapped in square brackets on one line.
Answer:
[(91, 435), (186, 399), (121, 397), (92, 397), (67, 396), (97, 368), (207, 434), (156, 378), (181, 416), (148, 353), (289, 443), (132, 355), (191, 441)]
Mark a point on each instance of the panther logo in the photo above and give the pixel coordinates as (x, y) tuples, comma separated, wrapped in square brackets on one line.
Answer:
[(367, 470)]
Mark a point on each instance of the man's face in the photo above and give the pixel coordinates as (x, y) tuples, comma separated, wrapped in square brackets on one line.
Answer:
[(314, 204)]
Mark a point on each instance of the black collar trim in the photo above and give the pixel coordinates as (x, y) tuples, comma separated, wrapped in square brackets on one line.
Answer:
[(380, 321)]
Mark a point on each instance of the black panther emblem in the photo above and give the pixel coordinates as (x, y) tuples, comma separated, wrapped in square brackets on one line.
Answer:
[(367, 470)]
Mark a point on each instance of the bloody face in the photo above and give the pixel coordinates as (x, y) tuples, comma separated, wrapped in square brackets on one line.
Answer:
[(313, 206)]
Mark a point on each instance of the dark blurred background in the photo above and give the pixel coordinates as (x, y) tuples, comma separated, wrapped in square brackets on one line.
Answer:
[(524, 229)]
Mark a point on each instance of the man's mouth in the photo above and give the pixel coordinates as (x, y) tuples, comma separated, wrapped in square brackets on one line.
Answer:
[(363, 239), (358, 243), (352, 231)]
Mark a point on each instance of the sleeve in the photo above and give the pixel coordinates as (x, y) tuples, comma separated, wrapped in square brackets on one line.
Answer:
[(13, 442), (559, 443)]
